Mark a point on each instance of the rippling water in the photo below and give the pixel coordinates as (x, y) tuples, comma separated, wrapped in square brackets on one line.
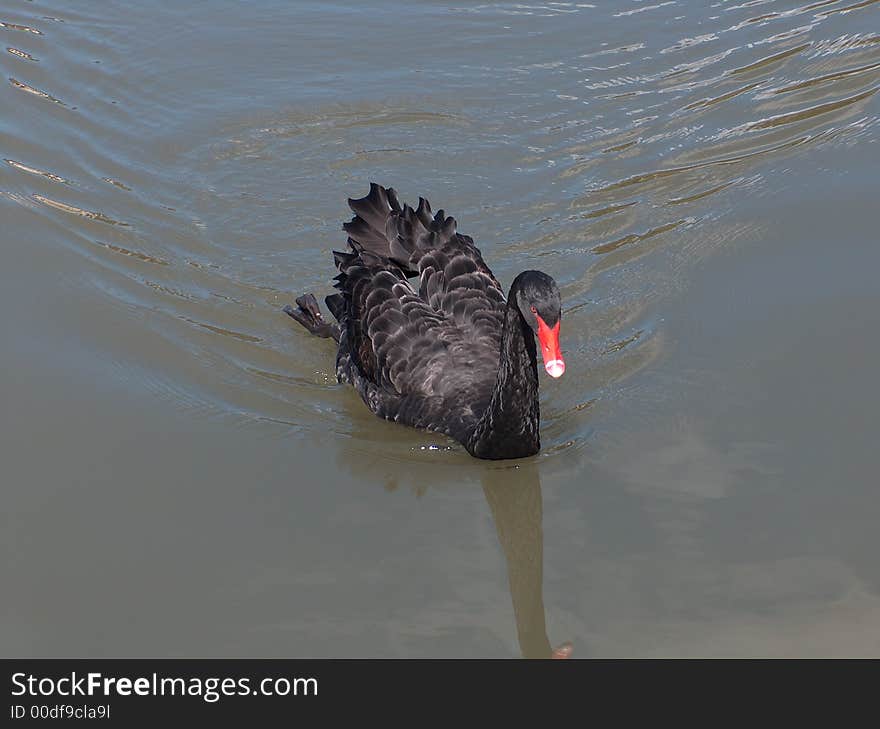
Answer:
[(183, 475)]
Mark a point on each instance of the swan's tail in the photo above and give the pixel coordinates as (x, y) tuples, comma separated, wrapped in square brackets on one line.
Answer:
[(410, 238), (402, 235), (309, 315), (367, 230)]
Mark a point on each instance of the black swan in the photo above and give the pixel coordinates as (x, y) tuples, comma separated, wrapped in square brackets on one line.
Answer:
[(452, 355)]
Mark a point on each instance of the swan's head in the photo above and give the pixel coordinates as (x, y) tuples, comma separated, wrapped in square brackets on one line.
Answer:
[(539, 303)]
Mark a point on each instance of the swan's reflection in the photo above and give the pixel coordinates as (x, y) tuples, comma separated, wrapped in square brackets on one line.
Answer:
[(514, 496), (513, 492)]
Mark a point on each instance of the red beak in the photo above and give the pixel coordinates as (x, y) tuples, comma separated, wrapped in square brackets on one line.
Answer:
[(552, 355)]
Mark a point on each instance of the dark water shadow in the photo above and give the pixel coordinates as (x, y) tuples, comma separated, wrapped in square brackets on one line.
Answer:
[(515, 499), (381, 452)]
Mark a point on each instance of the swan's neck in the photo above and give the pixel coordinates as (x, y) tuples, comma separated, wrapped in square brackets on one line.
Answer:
[(509, 427)]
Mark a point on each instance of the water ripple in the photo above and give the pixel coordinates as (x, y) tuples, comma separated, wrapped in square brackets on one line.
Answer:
[(609, 144)]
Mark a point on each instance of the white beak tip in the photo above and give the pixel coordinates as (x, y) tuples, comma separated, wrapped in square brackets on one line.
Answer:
[(555, 367)]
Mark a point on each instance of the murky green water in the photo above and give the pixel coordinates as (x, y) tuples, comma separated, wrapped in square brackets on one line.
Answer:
[(183, 476)]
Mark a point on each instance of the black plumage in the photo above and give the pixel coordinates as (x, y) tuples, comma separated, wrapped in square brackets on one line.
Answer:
[(446, 351)]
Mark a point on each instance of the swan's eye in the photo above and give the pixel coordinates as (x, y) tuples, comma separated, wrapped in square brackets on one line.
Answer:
[(534, 310)]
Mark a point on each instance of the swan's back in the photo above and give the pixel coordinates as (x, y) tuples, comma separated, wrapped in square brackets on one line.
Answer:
[(426, 356)]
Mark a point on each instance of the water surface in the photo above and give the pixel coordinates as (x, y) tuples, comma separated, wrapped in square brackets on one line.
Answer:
[(182, 476)]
